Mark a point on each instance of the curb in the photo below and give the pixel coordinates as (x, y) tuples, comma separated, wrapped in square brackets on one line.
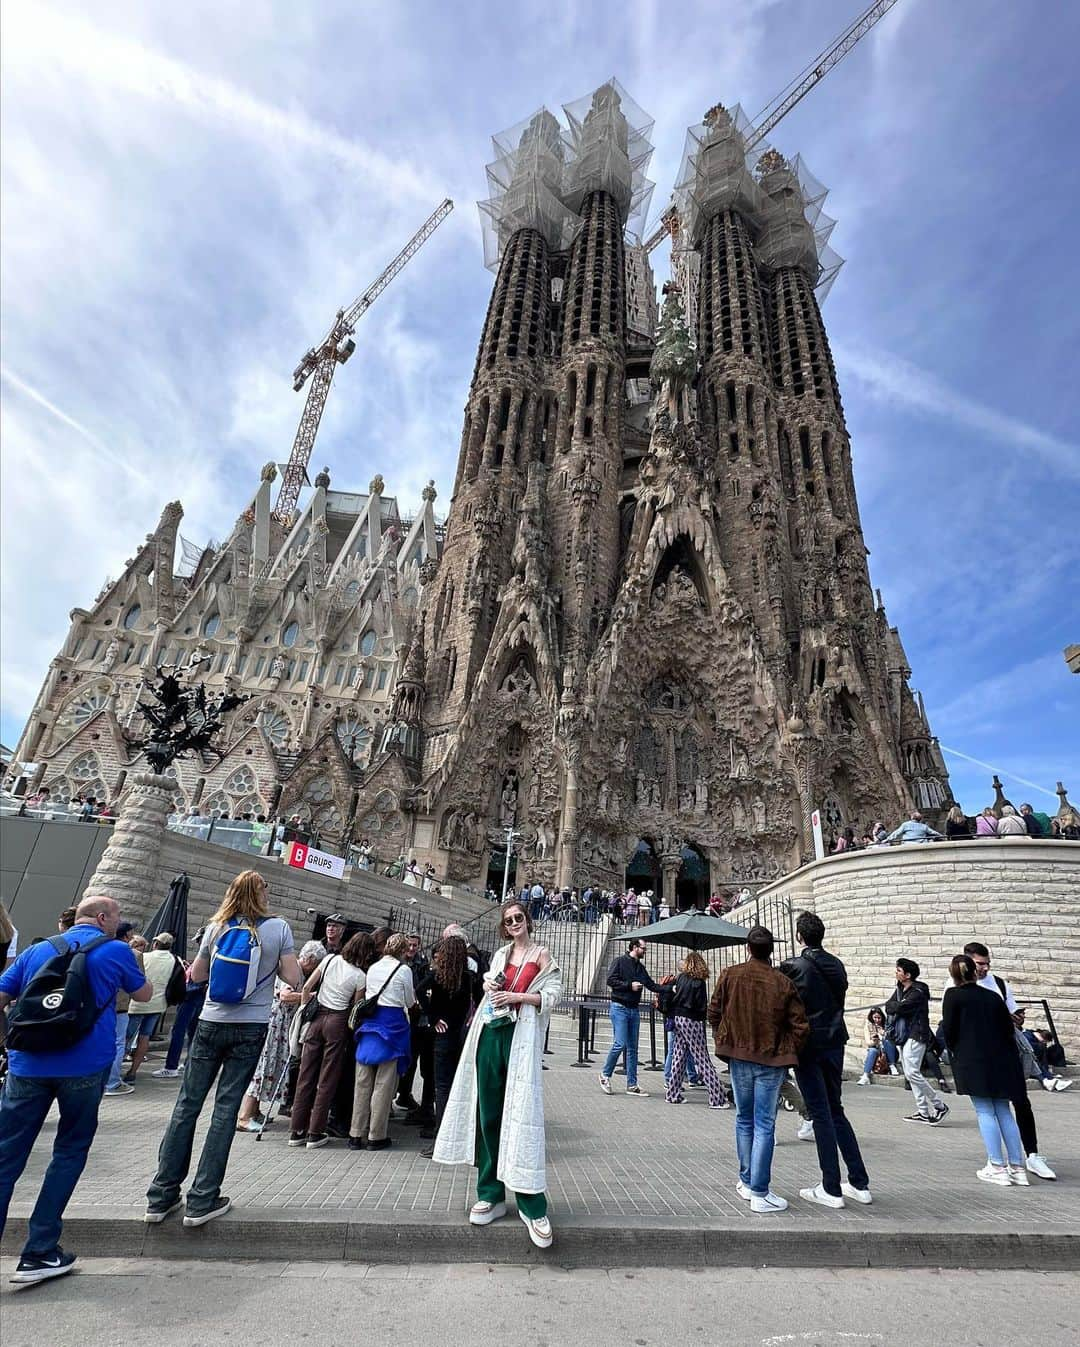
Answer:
[(304, 1237)]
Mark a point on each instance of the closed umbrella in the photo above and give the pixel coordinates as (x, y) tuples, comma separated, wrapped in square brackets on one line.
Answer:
[(691, 930), (172, 914)]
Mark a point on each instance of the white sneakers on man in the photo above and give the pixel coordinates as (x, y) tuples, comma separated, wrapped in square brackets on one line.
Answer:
[(605, 1084), (765, 1206), (1037, 1165), (821, 1197), (806, 1130), (743, 1191), (862, 1195)]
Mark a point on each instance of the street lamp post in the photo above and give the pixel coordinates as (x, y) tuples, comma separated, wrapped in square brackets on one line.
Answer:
[(512, 835)]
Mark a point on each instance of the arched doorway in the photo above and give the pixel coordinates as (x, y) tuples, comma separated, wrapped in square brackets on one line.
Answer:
[(692, 882), (643, 869), (496, 868)]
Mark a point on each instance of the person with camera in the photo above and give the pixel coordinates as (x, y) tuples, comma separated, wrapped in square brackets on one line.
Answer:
[(495, 1113)]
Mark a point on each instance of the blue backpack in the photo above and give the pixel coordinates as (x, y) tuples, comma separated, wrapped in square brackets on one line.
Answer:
[(234, 964)]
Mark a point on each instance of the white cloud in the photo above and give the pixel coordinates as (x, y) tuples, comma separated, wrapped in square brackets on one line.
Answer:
[(891, 379)]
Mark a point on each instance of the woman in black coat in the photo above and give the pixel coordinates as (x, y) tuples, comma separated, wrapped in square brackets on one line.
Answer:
[(446, 997), (978, 1030), (687, 1006)]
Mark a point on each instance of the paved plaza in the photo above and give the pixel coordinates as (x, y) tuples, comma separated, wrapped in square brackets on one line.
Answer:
[(631, 1182)]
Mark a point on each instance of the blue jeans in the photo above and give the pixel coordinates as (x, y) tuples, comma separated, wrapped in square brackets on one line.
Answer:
[(691, 1065), (233, 1051), (121, 1044), (624, 1025), (819, 1080), (24, 1106), (997, 1125), (888, 1048), (186, 1018), (757, 1090)]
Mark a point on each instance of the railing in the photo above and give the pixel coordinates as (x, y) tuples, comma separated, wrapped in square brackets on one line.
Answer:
[(15, 806)]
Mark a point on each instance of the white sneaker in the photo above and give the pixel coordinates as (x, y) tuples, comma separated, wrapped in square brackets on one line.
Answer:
[(539, 1230), (765, 1206), (483, 1213), (1048, 1084), (1037, 1165), (864, 1079), (894, 1070), (636, 1092), (862, 1195), (1060, 1083), (605, 1085), (743, 1191), (1018, 1177), (806, 1131), (821, 1197), (164, 1073), (991, 1173)]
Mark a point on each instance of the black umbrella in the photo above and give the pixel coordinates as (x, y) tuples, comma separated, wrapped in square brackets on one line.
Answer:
[(172, 915), (691, 930)]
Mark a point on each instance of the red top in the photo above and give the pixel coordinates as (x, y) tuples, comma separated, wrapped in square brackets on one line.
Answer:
[(515, 983)]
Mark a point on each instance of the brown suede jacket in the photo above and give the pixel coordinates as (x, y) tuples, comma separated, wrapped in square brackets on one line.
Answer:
[(756, 1015)]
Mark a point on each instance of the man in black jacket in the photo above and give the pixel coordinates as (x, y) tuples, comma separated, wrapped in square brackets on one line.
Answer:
[(908, 1011), (626, 977), (821, 981)]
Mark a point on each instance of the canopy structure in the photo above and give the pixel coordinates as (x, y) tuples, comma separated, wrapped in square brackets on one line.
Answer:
[(691, 930), (543, 171), (724, 168)]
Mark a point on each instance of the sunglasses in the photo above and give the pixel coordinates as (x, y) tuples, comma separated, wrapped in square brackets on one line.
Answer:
[(513, 921)]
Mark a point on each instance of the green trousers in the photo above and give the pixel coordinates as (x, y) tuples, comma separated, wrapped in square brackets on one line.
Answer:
[(492, 1059)]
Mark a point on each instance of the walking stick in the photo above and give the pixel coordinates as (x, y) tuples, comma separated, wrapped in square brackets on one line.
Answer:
[(273, 1099)]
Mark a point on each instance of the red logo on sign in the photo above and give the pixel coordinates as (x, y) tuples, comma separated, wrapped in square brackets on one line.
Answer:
[(298, 855)]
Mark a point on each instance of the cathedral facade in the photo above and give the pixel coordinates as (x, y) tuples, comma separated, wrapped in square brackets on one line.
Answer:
[(646, 647)]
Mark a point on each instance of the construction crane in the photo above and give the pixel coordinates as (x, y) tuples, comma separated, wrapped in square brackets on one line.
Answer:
[(335, 348), (793, 93)]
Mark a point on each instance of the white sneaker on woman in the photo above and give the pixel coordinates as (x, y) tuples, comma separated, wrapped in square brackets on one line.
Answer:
[(864, 1079), (1018, 1176), (1037, 1165), (806, 1131), (483, 1213), (539, 1230), (991, 1173)]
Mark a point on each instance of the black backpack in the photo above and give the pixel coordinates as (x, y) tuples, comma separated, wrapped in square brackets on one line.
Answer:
[(56, 1009)]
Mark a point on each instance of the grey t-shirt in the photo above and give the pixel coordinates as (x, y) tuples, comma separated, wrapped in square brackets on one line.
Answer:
[(276, 939)]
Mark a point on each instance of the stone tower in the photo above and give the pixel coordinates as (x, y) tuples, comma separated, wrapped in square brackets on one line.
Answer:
[(652, 647)]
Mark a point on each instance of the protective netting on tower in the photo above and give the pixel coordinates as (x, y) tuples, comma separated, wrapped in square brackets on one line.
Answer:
[(543, 171), (781, 200)]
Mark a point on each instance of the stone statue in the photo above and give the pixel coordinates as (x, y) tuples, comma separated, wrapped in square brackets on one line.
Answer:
[(545, 840), (654, 794), (701, 796), (604, 798), (758, 812), (277, 667), (112, 654), (686, 800), (740, 761), (509, 800), (738, 816)]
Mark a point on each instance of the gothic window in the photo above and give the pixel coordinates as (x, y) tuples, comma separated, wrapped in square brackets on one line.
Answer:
[(367, 642), (289, 635), (249, 805), (85, 708), (355, 739), (84, 769), (318, 796), (275, 726), (211, 624), (352, 590), (132, 616), (217, 804), (242, 782)]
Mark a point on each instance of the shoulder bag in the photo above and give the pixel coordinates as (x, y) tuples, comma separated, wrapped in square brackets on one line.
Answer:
[(363, 1010)]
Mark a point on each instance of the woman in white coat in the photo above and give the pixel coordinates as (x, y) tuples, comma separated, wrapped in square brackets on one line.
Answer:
[(494, 1117)]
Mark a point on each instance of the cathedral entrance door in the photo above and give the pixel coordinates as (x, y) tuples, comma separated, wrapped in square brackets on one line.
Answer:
[(692, 883), (643, 870), (496, 866)]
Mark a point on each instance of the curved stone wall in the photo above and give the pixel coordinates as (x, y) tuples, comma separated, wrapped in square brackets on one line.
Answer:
[(1020, 897)]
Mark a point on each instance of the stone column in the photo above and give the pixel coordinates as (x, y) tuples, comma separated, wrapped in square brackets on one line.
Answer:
[(670, 864), (128, 869), (800, 746)]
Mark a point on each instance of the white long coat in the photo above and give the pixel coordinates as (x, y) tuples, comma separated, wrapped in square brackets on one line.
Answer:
[(521, 1140)]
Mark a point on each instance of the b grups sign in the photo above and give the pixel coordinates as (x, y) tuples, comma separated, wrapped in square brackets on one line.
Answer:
[(303, 857)]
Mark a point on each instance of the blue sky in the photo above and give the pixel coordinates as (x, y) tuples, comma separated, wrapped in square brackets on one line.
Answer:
[(190, 192)]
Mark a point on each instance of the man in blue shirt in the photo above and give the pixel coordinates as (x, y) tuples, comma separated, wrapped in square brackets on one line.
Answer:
[(914, 829), (74, 1078)]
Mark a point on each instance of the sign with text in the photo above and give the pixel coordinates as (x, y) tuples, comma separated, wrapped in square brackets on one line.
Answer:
[(819, 841), (303, 857)]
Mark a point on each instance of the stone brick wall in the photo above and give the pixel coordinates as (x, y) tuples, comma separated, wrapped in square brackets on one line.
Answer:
[(1021, 898)]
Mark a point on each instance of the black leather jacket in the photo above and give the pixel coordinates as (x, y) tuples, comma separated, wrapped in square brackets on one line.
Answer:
[(821, 981)]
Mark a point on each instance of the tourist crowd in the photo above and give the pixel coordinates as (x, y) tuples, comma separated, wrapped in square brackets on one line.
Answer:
[(335, 1037)]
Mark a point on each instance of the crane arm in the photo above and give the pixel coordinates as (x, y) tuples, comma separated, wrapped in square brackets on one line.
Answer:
[(801, 85), (335, 348), (794, 93)]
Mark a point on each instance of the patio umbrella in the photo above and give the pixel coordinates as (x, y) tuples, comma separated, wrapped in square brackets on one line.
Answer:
[(172, 915), (691, 930)]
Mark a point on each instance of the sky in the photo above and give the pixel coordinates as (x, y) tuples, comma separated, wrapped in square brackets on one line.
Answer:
[(189, 193)]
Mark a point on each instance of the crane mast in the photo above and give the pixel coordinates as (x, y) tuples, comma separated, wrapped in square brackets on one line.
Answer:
[(320, 362), (788, 97)]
